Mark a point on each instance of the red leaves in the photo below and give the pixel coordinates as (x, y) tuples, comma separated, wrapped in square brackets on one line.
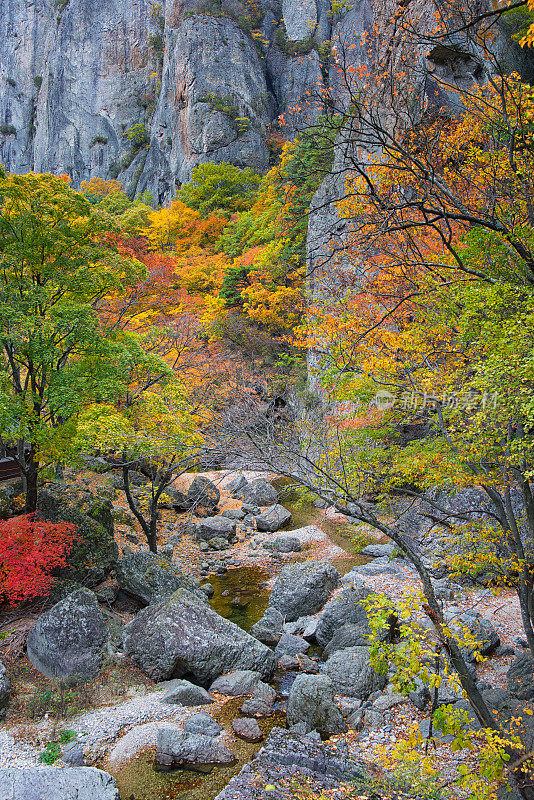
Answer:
[(30, 550)]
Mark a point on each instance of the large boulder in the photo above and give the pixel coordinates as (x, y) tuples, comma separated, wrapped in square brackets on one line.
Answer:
[(183, 637), (352, 675), (51, 783), (203, 492), (5, 690), (261, 701), (269, 628), (236, 683), (290, 645), (342, 610), (311, 704), (273, 518), (70, 640), (150, 578), (348, 636), (259, 492), (236, 484), (482, 630), (303, 589), (247, 729), (520, 677), (190, 751), (202, 723), (184, 693), (95, 553), (218, 527)]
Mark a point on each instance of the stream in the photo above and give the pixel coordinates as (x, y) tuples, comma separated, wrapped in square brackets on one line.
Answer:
[(241, 595)]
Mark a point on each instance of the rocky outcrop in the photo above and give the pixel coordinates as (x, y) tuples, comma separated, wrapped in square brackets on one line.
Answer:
[(352, 675), (69, 641), (183, 637), (5, 690), (343, 610), (36, 783), (259, 492)]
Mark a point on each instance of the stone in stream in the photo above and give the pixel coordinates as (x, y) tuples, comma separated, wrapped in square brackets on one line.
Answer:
[(219, 527), (261, 702), (247, 729), (70, 640), (184, 693), (269, 628), (290, 645), (5, 690), (203, 492), (303, 589), (190, 751), (236, 683), (51, 783), (273, 518), (151, 578), (184, 636), (258, 492), (311, 703), (202, 723)]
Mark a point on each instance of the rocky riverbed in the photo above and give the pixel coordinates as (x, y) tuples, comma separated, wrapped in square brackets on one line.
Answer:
[(280, 623)]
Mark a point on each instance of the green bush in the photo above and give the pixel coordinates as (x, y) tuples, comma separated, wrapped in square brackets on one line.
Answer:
[(8, 130), (51, 754)]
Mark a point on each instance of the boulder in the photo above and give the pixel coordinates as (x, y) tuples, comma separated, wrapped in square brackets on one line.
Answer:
[(184, 636), (70, 640), (5, 690), (236, 484), (190, 751), (203, 492), (352, 675), (303, 589), (218, 527), (273, 518), (259, 492), (73, 754), (202, 723), (269, 628), (184, 693), (348, 636), (520, 677), (236, 683), (379, 550), (482, 630), (38, 783), (260, 703), (150, 578), (95, 553), (290, 645), (311, 702), (247, 729), (345, 609), (179, 500), (234, 513)]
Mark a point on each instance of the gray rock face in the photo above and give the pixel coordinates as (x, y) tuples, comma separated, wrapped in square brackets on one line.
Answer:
[(348, 636), (203, 492), (69, 640), (236, 484), (483, 631), (36, 783), (202, 723), (152, 579), (303, 589), (269, 628), (520, 677), (273, 518), (184, 637), (351, 673), (311, 702), (239, 682), (343, 610), (218, 527), (247, 729), (5, 690), (300, 18), (259, 492), (378, 550), (190, 751), (185, 693), (284, 544), (319, 765)]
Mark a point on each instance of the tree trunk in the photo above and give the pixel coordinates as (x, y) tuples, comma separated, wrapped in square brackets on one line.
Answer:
[(31, 475)]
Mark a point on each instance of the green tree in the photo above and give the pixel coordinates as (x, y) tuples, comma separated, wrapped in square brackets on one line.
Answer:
[(57, 266), (219, 188)]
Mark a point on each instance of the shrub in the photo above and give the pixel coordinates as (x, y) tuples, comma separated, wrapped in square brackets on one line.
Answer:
[(8, 130), (30, 550)]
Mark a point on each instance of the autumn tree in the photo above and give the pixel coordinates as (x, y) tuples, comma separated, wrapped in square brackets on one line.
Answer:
[(57, 267)]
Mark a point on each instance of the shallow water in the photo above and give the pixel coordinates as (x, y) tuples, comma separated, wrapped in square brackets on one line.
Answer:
[(239, 595)]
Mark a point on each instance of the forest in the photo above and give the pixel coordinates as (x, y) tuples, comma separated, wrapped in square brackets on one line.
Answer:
[(267, 446)]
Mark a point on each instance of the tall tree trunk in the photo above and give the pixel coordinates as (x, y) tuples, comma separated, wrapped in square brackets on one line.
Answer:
[(31, 476)]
